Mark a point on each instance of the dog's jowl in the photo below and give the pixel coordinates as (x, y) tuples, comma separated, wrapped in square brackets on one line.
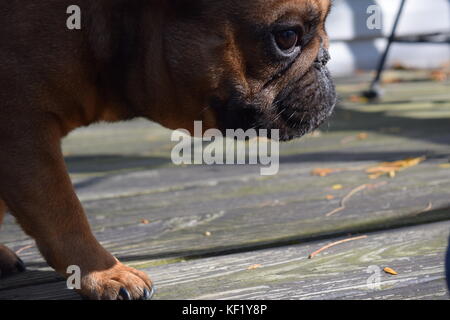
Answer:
[(229, 63)]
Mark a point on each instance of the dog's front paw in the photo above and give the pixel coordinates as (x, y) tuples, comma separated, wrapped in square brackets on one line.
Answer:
[(120, 282), (10, 263)]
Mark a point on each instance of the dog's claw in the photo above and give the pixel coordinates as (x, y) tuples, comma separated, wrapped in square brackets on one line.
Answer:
[(124, 294), (152, 292), (148, 294), (20, 265)]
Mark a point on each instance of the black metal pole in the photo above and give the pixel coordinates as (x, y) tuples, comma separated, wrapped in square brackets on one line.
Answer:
[(374, 91)]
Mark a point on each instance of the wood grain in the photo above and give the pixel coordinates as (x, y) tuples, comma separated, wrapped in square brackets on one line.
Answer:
[(123, 175)]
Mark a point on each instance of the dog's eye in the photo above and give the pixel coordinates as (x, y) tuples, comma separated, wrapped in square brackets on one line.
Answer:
[(287, 40)]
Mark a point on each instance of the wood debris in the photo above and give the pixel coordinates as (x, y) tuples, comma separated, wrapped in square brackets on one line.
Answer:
[(315, 253), (24, 248), (362, 136), (351, 194), (390, 271), (255, 266), (323, 172), (345, 199), (357, 99), (427, 209), (439, 75), (391, 168)]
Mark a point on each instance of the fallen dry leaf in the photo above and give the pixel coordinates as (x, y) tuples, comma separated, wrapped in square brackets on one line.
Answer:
[(322, 172), (329, 197), (337, 187), (362, 136), (391, 168), (439, 75), (445, 166), (255, 266), (390, 271), (145, 221), (357, 99)]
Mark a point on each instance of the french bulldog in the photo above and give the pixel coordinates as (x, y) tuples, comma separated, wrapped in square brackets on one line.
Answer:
[(228, 63)]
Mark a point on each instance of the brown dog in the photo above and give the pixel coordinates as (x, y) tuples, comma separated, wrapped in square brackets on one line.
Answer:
[(229, 63)]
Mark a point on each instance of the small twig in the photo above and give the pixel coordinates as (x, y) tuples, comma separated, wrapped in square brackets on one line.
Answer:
[(427, 209), (24, 248), (351, 194), (346, 198), (312, 255)]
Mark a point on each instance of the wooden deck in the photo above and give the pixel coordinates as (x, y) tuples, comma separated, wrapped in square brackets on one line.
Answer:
[(225, 232)]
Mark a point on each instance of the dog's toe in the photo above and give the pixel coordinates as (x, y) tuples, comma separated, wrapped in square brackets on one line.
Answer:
[(10, 263), (117, 283)]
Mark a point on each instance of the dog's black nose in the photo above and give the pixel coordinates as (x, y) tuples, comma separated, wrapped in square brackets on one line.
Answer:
[(322, 58)]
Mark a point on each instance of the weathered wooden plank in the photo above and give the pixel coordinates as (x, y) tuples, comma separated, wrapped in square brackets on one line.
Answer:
[(123, 175), (179, 217), (416, 253)]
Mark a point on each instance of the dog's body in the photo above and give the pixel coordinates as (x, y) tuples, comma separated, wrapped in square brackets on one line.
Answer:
[(228, 63)]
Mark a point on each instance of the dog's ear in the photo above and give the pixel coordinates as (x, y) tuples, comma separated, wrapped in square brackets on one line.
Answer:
[(188, 8)]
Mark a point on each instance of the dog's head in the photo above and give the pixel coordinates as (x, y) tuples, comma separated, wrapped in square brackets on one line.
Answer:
[(250, 64)]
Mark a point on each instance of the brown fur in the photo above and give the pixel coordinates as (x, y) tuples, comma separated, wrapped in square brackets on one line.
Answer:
[(164, 60)]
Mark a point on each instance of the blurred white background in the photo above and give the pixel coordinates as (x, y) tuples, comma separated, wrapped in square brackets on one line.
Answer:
[(355, 47)]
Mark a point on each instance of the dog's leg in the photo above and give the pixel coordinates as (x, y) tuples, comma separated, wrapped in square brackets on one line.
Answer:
[(10, 263), (38, 191)]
